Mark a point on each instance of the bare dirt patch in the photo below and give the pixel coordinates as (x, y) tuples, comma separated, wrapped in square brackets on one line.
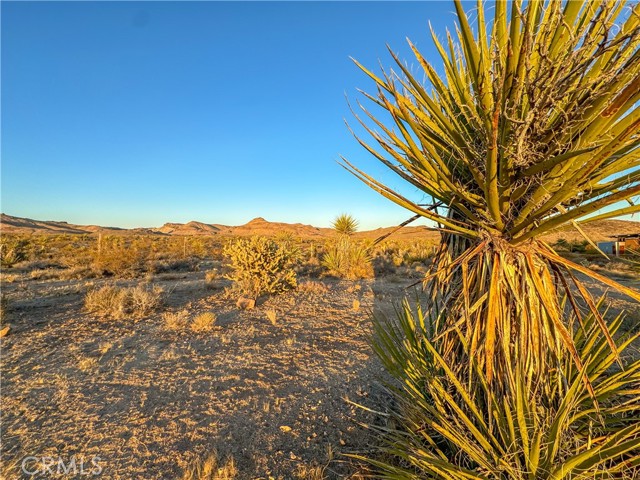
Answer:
[(269, 387)]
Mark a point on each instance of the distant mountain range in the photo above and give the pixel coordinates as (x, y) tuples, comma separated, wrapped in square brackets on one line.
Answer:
[(257, 226), (598, 231)]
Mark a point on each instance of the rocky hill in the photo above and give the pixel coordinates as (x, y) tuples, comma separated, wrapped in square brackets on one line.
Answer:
[(599, 231)]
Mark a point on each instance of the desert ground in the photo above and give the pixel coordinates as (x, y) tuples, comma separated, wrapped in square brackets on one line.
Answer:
[(147, 401), (276, 389)]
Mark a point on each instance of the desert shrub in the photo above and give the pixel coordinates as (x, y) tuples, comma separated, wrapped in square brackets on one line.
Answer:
[(191, 248), (211, 469), (419, 251), (572, 246), (392, 254), (175, 265), (260, 266), (553, 429), (107, 301), (289, 240), (310, 259), (348, 258), (120, 302), (12, 251), (118, 255), (144, 300), (122, 256)]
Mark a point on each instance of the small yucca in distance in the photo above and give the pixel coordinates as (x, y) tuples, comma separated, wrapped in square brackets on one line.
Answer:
[(344, 256), (345, 224)]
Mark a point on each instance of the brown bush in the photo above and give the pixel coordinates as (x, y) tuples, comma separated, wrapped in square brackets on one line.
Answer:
[(119, 302)]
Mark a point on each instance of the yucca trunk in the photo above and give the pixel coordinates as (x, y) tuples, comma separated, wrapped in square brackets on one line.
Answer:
[(501, 304)]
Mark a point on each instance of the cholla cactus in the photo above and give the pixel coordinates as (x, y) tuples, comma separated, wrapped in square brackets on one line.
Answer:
[(260, 266)]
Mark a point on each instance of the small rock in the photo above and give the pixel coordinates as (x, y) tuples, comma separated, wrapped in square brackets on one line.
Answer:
[(246, 303), (285, 428), (5, 331)]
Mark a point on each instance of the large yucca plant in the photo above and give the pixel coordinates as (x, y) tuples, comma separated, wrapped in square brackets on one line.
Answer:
[(539, 431), (534, 125)]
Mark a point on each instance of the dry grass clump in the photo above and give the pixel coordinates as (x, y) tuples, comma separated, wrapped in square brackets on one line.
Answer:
[(203, 322), (181, 321), (120, 302), (260, 266), (145, 300), (176, 321), (211, 469), (107, 301)]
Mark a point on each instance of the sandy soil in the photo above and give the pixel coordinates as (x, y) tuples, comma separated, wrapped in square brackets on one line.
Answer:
[(148, 401)]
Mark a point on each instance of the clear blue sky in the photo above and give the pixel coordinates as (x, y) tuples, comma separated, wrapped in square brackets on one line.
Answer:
[(138, 113)]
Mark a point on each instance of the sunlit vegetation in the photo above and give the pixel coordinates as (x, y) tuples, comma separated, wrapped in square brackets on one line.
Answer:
[(115, 302), (530, 124), (261, 266)]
